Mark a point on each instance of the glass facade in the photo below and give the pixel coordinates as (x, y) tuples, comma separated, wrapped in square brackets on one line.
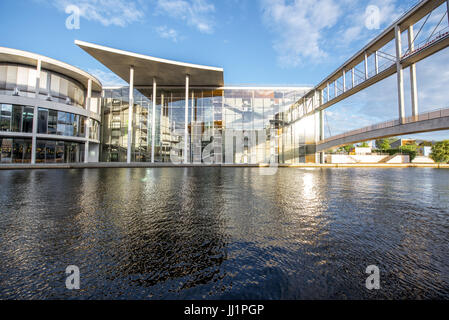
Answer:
[(50, 151), (52, 86), (16, 118), (55, 96), (61, 123), (230, 125), (15, 150)]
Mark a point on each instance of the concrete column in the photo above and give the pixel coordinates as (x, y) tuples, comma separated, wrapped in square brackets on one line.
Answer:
[(192, 124), (376, 61), (321, 124), (153, 120), (160, 127), (88, 122), (344, 81), (130, 114), (400, 75), (35, 112), (322, 134), (366, 66), (186, 127), (447, 7), (413, 86)]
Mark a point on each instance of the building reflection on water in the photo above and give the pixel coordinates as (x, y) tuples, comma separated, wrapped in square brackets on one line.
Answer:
[(223, 233)]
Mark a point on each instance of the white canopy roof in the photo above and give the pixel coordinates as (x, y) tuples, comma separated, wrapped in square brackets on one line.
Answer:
[(166, 72)]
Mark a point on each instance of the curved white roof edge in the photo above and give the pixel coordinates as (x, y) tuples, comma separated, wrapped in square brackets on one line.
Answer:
[(145, 57), (49, 63)]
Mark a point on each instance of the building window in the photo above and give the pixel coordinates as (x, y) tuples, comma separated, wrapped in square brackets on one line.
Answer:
[(15, 150), (61, 123), (27, 119), (42, 122), (15, 118), (48, 151)]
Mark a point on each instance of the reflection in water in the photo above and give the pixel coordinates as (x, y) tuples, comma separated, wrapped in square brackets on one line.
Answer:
[(224, 233)]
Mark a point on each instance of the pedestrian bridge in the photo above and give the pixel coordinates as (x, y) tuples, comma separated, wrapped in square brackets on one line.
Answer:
[(430, 121)]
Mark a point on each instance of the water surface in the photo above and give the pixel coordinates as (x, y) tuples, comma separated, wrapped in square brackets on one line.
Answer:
[(224, 233)]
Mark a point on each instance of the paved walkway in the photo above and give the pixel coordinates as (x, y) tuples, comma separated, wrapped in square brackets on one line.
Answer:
[(169, 165)]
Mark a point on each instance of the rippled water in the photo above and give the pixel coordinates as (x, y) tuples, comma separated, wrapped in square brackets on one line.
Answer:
[(224, 233)]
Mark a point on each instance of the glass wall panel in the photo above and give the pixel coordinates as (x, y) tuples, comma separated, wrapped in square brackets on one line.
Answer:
[(48, 151), (27, 119), (5, 117), (6, 154), (16, 118), (52, 121), (239, 125), (15, 150)]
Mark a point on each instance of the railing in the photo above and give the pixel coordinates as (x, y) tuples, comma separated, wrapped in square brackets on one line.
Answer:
[(437, 36), (388, 124)]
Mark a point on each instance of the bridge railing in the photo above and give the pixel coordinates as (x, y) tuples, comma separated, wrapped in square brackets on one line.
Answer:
[(437, 36), (388, 124)]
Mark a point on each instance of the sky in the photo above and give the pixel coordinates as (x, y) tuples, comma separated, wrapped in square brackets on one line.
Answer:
[(257, 42)]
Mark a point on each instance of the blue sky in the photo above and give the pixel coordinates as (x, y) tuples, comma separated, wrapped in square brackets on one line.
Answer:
[(264, 42)]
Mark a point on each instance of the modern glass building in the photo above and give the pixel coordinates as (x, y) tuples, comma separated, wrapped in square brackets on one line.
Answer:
[(249, 125), (183, 113), (50, 111), (171, 112)]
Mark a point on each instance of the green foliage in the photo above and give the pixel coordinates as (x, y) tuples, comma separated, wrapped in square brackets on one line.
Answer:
[(409, 147), (384, 144), (364, 145), (347, 148), (412, 153), (440, 152)]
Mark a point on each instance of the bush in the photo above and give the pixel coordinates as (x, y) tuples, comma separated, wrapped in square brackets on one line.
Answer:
[(440, 152), (408, 151)]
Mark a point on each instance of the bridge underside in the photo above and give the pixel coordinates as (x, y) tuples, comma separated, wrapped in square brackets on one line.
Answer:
[(437, 124)]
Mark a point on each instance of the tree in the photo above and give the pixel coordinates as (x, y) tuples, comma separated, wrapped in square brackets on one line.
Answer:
[(364, 145), (348, 147), (440, 152), (384, 144), (409, 149)]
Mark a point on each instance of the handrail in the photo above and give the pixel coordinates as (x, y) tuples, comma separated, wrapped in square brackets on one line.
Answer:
[(444, 112), (439, 35)]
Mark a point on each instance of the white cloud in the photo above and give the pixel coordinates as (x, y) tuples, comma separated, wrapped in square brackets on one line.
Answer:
[(196, 13), (299, 26), (311, 30), (354, 24), (167, 33), (107, 12)]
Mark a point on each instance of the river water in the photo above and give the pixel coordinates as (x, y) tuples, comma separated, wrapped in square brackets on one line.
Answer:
[(224, 233)]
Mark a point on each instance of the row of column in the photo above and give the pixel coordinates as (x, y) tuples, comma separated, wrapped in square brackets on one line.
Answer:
[(36, 114), (153, 120)]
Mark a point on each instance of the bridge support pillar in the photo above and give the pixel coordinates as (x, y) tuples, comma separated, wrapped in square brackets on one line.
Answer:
[(400, 75), (413, 86), (447, 7)]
